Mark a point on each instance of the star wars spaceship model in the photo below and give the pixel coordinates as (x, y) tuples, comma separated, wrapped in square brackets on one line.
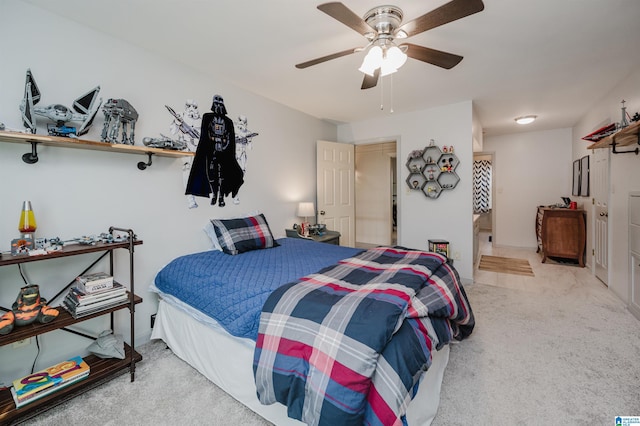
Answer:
[(84, 110)]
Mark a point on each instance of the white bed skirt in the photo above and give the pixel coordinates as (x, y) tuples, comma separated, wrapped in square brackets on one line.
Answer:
[(228, 362)]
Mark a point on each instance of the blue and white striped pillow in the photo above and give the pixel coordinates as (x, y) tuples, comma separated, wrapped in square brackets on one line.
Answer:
[(243, 234)]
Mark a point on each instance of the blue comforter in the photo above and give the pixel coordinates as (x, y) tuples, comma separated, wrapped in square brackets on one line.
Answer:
[(233, 289)]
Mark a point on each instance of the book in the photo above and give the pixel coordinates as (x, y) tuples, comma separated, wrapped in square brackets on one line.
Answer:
[(102, 304), (91, 283), (95, 304), (81, 297), (24, 401), (78, 311), (41, 383)]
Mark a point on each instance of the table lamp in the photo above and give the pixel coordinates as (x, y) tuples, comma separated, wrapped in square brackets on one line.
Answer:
[(305, 210), (27, 225)]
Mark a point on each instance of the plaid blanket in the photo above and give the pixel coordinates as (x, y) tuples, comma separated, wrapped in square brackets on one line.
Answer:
[(348, 345)]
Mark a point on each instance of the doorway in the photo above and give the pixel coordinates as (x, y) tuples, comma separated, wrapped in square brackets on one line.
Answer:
[(600, 178), (375, 194), (483, 215)]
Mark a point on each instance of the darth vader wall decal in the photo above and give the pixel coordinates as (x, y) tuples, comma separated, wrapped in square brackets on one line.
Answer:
[(215, 172)]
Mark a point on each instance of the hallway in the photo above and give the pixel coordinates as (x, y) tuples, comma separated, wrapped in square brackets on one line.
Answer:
[(550, 275)]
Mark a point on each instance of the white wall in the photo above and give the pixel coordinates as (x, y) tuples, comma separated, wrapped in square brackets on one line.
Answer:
[(79, 192), (420, 218), (624, 175), (529, 170)]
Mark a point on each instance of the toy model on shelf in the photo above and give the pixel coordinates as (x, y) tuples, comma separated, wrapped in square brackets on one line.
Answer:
[(84, 110), (119, 113)]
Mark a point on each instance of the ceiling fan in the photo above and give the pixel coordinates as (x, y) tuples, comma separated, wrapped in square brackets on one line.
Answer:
[(382, 25)]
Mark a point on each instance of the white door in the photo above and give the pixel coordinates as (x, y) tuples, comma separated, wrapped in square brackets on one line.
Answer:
[(600, 179), (335, 186)]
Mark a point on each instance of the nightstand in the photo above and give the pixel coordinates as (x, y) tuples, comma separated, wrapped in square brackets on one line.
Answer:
[(329, 237)]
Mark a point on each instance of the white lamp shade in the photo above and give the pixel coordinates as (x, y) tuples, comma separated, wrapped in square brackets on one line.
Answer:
[(306, 209), (396, 57), (387, 68), (371, 61), (388, 60)]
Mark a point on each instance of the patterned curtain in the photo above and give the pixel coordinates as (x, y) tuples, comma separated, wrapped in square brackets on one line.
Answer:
[(481, 186)]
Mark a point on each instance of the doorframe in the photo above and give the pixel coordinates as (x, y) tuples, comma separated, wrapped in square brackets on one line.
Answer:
[(592, 216), (491, 154), (393, 157)]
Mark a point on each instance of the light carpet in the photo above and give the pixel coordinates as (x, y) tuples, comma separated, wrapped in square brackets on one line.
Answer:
[(539, 356), (166, 391), (505, 265)]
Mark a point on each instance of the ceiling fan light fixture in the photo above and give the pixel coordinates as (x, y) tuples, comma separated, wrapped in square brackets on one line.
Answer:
[(401, 34), (386, 68), (371, 61), (395, 57), (388, 59), (526, 119)]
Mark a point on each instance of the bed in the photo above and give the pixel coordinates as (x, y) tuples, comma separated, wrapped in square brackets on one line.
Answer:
[(216, 303)]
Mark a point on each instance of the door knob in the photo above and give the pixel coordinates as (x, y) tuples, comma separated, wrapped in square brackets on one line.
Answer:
[(322, 212)]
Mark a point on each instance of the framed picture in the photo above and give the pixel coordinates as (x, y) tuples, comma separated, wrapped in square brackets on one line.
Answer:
[(584, 176), (576, 178)]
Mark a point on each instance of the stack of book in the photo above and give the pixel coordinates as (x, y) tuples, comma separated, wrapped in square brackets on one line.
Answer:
[(34, 386), (91, 283), (89, 296)]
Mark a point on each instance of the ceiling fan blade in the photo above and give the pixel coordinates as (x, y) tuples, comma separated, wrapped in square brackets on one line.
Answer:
[(446, 13), (342, 13), (325, 58), (370, 81), (432, 56)]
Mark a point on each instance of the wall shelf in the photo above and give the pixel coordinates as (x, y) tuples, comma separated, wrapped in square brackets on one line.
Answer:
[(432, 170), (35, 139), (625, 137)]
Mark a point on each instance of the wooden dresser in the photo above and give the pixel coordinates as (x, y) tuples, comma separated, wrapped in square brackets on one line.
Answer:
[(561, 233)]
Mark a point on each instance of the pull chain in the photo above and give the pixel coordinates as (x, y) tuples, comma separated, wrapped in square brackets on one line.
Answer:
[(381, 93), (391, 94)]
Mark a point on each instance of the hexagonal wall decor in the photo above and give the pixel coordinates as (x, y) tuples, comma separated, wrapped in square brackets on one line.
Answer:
[(432, 170)]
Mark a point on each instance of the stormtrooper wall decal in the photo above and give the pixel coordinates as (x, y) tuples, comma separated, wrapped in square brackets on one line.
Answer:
[(244, 139), (186, 127)]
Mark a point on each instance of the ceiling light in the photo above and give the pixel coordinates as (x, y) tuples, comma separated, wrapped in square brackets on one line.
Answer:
[(372, 61), (526, 119), (396, 57), (388, 59)]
